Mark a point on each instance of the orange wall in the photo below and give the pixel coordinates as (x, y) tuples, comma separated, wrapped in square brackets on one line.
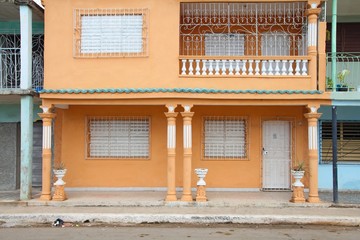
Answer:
[(152, 173), (159, 69)]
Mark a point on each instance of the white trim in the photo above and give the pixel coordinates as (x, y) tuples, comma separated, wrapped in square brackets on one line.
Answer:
[(312, 37), (313, 138), (46, 137), (26, 47), (187, 136), (171, 138)]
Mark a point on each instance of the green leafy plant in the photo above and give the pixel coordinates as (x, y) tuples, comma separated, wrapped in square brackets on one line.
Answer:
[(59, 166), (299, 167)]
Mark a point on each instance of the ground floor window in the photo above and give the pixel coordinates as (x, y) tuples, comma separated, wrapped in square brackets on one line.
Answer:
[(348, 141), (224, 138), (118, 137)]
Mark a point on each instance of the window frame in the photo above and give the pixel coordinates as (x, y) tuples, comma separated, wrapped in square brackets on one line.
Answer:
[(341, 140), (224, 157), (121, 118), (77, 29)]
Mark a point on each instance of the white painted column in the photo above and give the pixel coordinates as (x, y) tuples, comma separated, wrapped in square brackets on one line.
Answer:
[(171, 148), (313, 142), (47, 118), (187, 142), (26, 103)]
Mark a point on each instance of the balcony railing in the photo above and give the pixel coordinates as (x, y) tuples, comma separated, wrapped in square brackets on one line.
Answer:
[(347, 72), (244, 66), (10, 64)]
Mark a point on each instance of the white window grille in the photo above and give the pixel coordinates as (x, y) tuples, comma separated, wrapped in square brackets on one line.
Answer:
[(118, 137), (225, 138), (224, 44), (348, 141), (110, 32)]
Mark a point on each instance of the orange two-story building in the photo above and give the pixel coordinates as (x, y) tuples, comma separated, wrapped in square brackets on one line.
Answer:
[(140, 93)]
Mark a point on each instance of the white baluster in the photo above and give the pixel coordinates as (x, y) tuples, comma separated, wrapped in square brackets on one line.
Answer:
[(183, 69), (257, 68), (211, 69), (231, 69), (290, 70), (251, 67), (297, 68), (277, 69), (223, 69), (217, 67), (237, 67), (197, 68), (203, 70), (270, 69), (284, 69), (191, 68), (243, 69), (304, 67), (263, 68)]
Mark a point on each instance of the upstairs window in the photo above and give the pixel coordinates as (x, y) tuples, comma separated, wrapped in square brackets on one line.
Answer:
[(110, 32)]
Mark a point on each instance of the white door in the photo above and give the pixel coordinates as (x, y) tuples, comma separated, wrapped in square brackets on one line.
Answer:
[(276, 155)]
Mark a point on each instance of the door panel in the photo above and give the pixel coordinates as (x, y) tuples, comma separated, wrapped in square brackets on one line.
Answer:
[(276, 155)]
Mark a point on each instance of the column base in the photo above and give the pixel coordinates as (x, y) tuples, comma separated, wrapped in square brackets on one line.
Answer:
[(313, 199), (171, 198), (201, 194), (186, 198), (45, 197), (59, 194), (298, 195)]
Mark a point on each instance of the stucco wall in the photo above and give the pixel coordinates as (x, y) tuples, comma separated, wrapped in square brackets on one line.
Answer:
[(348, 174), (84, 172)]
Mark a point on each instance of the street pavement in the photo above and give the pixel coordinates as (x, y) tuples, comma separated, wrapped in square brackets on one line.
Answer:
[(137, 207)]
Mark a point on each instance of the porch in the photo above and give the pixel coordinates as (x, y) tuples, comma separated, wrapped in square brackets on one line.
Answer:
[(155, 198)]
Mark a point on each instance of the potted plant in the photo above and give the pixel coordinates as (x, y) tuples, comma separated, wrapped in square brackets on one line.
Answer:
[(341, 85), (298, 172)]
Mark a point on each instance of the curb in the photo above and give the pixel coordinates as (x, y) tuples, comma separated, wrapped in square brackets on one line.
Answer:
[(10, 220)]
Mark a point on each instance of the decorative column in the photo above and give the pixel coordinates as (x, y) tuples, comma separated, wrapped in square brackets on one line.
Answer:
[(312, 118), (26, 109), (47, 118), (171, 148), (312, 14), (187, 135)]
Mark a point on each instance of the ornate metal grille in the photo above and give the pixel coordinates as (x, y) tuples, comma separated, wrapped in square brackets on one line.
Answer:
[(267, 28), (118, 137), (10, 64), (225, 137)]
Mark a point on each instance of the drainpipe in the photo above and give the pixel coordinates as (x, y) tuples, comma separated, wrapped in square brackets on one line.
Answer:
[(334, 112)]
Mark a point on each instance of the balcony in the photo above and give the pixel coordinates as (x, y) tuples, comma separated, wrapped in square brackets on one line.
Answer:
[(243, 39), (347, 72), (10, 64)]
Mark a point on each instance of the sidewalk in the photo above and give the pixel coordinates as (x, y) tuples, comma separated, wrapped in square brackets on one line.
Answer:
[(149, 207)]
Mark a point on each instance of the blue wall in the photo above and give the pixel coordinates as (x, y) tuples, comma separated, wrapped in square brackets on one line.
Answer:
[(11, 113), (348, 174)]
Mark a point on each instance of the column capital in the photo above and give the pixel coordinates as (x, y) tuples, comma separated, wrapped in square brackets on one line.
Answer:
[(187, 107), (171, 114), (187, 114), (312, 115), (171, 107), (313, 11), (47, 115)]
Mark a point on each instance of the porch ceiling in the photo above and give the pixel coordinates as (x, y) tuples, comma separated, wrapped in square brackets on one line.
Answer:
[(9, 11), (347, 10)]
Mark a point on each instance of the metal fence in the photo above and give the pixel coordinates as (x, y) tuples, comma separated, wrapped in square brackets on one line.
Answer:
[(10, 64), (347, 71)]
